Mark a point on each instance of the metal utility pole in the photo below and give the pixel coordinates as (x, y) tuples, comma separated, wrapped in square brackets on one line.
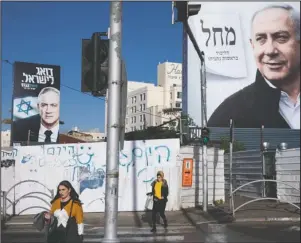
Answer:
[(1, 213), (231, 162), (181, 129), (112, 162), (204, 124), (186, 10)]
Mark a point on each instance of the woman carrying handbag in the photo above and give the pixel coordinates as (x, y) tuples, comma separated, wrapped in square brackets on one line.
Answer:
[(67, 209)]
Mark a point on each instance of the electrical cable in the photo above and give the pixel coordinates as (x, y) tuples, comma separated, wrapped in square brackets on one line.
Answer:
[(100, 98)]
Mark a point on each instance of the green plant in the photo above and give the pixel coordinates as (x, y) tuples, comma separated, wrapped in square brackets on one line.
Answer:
[(225, 145)]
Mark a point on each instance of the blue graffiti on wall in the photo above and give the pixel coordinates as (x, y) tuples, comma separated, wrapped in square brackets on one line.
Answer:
[(137, 153), (90, 180), (156, 154), (80, 159)]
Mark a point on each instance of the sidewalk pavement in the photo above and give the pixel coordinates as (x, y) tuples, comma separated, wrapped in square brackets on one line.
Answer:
[(264, 210), (257, 211)]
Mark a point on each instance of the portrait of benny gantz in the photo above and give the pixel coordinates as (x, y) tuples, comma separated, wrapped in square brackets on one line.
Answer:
[(43, 127), (273, 100)]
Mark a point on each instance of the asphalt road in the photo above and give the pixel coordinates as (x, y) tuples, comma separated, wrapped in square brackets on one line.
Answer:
[(247, 232), (212, 233)]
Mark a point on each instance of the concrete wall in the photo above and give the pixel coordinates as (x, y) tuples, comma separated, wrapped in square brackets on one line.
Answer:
[(288, 171), (84, 165), (193, 196), (8, 174)]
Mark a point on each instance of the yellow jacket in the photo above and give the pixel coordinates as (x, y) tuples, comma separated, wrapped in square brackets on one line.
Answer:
[(63, 215)]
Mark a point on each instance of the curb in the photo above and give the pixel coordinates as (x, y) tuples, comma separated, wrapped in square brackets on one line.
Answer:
[(269, 219), (250, 220)]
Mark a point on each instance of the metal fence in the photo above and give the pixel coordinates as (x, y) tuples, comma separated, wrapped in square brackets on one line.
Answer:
[(7, 203), (271, 174), (246, 167), (252, 138)]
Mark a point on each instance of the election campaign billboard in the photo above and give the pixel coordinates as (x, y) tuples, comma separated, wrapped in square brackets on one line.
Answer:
[(36, 103), (252, 60)]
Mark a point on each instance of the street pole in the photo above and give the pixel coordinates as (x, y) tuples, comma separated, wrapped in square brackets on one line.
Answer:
[(1, 140), (112, 158), (181, 129), (204, 124), (230, 164), (204, 110)]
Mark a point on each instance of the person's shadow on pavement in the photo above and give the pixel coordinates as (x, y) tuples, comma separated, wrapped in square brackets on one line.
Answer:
[(147, 217)]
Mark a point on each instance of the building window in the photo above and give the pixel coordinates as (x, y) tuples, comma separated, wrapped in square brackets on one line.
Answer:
[(135, 109), (143, 96), (178, 104), (144, 107), (134, 119), (140, 107), (133, 99), (141, 118), (170, 95), (141, 127), (179, 95), (144, 117)]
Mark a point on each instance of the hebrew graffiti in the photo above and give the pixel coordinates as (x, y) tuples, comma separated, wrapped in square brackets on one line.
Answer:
[(12, 153), (219, 31), (8, 158), (7, 163), (79, 162), (84, 165), (147, 155)]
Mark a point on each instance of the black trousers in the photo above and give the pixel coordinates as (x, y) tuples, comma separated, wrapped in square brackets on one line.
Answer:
[(158, 207), (58, 236)]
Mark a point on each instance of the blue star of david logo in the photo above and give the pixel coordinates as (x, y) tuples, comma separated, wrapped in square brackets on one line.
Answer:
[(24, 106)]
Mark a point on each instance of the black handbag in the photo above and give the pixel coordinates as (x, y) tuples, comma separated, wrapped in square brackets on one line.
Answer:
[(72, 235)]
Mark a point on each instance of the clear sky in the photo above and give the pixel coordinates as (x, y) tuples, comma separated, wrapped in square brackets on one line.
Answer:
[(51, 33)]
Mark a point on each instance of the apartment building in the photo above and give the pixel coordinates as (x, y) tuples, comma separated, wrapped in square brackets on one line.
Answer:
[(148, 104), (90, 136), (140, 107)]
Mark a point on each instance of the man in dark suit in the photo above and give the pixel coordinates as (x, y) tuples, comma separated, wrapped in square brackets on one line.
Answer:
[(43, 127), (273, 100)]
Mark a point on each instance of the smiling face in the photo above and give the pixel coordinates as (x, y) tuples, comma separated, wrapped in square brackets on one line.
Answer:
[(275, 46), (49, 108)]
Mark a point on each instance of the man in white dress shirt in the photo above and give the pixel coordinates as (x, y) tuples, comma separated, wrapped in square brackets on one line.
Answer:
[(43, 127), (49, 109), (273, 100)]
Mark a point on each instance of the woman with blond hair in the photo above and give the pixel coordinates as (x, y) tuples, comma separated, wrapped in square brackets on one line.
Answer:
[(160, 194)]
